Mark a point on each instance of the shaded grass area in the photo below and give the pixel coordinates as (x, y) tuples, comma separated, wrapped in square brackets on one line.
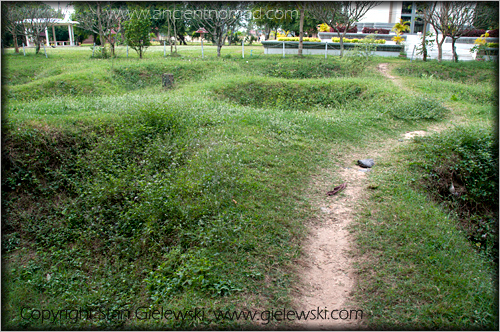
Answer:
[(466, 157)]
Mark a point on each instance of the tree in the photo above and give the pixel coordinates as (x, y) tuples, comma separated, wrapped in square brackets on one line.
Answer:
[(99, 18), (341, 15), (37, 17), (137, 30), (170, 23), (272, 15), (487, 15), (310, 24), (452, 19), (301, 28), (217, 18), (425, 11), (11, 18)]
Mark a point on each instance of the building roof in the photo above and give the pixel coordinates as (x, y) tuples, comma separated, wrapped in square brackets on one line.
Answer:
[(51, 21)]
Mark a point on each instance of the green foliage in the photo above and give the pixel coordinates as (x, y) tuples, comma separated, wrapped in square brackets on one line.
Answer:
[(429, 276), (417, 108), (468, 157), (117, 194), (429, 43), (137, 30), (463, 72), (306, 39), (294, 95), (367, 40), (302, 70)]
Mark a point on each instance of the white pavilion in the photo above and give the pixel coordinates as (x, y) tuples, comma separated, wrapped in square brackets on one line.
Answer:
[(54, 22)]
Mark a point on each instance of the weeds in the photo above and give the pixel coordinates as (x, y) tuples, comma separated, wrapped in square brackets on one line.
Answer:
[(417, 108), (466, 158), (118, 195)]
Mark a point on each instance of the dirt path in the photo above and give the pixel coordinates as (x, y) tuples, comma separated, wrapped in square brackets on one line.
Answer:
[(328, 276), (384, 69)]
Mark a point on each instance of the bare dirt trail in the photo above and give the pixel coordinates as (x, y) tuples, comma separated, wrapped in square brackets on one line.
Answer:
[(328, 275), (327, 272)]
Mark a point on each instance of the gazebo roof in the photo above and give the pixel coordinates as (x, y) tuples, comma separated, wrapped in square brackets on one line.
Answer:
[(52, 21)]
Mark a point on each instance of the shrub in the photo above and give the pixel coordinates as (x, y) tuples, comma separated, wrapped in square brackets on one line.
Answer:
[(493, 45), (466, 156), (473, 32), (324, 27), (342, 29), (306, 39), (376, 30), (355, 40), (493, 33)]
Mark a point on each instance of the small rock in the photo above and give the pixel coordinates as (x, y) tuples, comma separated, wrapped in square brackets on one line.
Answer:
[(401, 140), (364, 170), (366, 163), (326, 210)]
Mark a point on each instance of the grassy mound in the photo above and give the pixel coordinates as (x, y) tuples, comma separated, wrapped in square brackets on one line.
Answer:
[(431, 272), (461, 72), (417, 108), (294, 95), (468, 158)]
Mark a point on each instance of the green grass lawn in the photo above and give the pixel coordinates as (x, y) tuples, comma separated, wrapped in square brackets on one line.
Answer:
[(118, 194)]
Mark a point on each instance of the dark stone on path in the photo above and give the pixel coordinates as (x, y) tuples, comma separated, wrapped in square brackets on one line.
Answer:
[(366, 163)]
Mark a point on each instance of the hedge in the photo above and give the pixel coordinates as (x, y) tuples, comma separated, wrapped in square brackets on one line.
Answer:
[(473, 33), (493, 33), (341, 29), (306, 39), (376, 30), (355, 40)]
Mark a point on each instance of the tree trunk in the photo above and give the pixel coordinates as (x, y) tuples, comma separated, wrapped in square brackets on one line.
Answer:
[(424, 47), (454, 50), (175, 34), (112, 44), (439, 45), (101, 32), (342, 42), (37, 43), (16, 46), (301, 31), (220, 41)]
